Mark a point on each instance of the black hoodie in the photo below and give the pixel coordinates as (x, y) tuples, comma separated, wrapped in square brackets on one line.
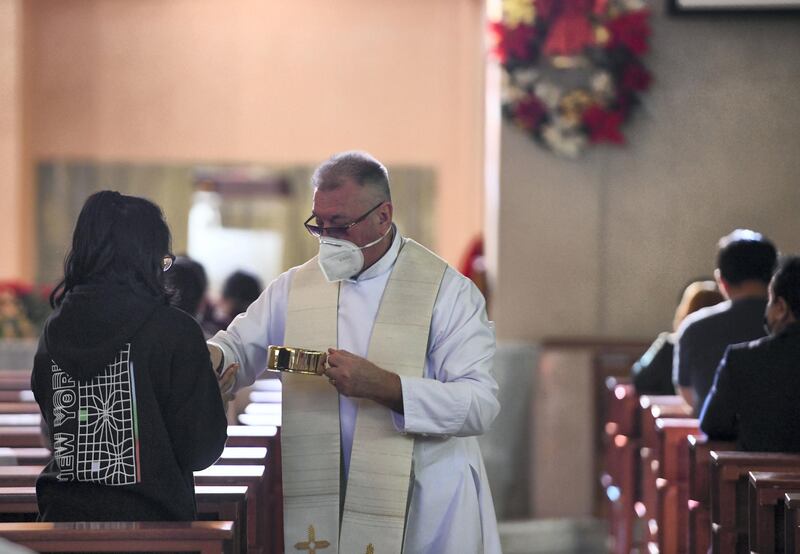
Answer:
[(132, 407)]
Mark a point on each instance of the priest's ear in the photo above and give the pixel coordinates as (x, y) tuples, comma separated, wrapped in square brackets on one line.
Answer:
[(385, 213)]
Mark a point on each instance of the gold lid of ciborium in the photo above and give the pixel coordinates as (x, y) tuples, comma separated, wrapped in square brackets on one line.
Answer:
[(296, 360)]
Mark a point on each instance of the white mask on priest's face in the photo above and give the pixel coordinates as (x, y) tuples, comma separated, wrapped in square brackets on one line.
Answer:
[(340, 259)]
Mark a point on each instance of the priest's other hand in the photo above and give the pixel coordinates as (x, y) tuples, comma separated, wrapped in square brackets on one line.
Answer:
[(355, 376)]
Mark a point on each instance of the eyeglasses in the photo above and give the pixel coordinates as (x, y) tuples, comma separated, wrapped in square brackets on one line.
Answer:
[(338, 231), (167, 261)]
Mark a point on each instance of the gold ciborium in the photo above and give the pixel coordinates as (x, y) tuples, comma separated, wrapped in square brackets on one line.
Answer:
[(296, 360)]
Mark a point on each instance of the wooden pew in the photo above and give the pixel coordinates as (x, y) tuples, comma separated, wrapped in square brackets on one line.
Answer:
[(243, 455), (265, 399), (260, 420), (254, 444), (19, 408), (266, 396), (15, 373), (729, 494), (15, 379), (25, 436), (206, 537), (653, 408), (16, 396), (19, 501), (699, 503), (225, 503), (621, 454), (214, 503), (622, 404), (20, 420), (672, 484), (25, 456), (267, 436), (253, 435), (791, 537), (251, 476), (766, 509), (232, 475), (24, 476), (19, 476), (268, 385), (267, 408)]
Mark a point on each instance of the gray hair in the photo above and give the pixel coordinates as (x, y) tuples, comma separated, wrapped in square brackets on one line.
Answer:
[(359, 166)]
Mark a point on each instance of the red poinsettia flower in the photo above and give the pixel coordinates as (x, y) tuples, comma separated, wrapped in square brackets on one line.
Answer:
[(529, 112), (600, 7), (624, 103), (569, 35), (630, 30), (512, 43), (635, 77), (545, 8), (603, 125), (570, 28), (18, 288)]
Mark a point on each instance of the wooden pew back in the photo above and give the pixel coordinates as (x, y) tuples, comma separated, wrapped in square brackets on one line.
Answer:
[(672, 483), (652, 409), (699, 505), (206, 537), (766, 508), (621, 454), (729, 493), (791, 537), (214, 503), (25, 436)]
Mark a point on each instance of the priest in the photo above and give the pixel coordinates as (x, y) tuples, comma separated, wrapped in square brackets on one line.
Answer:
[(380, 454)]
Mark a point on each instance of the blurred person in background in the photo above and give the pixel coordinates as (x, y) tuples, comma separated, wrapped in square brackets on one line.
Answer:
[(239, 291), (745, 262), (187, 285), (652, 373)]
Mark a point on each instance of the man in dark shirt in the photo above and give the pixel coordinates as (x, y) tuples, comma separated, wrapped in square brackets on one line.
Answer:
[(756, 394), (745, 261)]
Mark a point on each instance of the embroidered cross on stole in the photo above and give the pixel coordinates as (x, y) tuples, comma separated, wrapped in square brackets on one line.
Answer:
[(376, 499)]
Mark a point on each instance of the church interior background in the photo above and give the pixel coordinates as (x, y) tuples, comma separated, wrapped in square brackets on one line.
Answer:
[(218, 110)]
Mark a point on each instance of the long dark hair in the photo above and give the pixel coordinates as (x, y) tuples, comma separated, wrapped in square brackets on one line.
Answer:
[(118, 239)]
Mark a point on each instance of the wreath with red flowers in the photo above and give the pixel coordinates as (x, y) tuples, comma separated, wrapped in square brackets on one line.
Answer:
[(572, 72)]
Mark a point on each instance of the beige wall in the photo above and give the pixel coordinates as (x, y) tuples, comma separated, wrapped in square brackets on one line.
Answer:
[(266, 81), (594, 247), (602, 246), (15, 214)]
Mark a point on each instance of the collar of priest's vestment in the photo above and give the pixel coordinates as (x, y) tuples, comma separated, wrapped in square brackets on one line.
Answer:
[(385, 263)]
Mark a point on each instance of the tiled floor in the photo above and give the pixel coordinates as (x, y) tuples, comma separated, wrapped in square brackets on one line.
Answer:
[(554, 536)]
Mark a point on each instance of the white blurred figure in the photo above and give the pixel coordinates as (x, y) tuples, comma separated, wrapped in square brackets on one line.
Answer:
[(222, 250)]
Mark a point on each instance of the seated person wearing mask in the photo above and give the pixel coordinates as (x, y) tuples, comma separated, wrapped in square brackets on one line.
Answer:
[(755, 399)]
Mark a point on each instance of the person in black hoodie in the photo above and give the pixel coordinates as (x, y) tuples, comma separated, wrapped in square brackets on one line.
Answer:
[(124, 381)]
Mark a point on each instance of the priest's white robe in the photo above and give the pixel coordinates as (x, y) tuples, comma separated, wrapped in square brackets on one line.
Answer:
[(451, 509)]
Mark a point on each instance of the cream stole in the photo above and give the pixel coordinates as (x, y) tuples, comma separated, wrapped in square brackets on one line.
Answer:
[(380, 466)]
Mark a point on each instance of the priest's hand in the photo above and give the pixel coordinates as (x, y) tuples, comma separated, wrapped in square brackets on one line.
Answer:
[(226, 380), (355, 376)]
